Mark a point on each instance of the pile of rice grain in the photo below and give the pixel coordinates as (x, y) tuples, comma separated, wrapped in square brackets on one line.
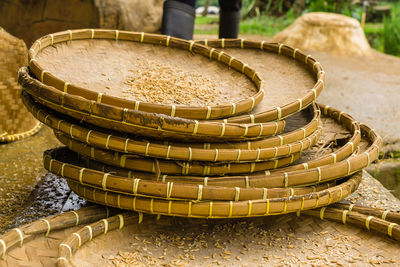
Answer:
[(157, 83)]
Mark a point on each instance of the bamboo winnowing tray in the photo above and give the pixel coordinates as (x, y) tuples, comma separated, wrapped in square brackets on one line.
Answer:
[(336, 144), (302, 81), (157, 126), (96, 64), (64, 239), (118, 143), (159, 196)]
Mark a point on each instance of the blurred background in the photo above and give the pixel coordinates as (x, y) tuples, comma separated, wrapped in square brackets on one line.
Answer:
[(381, 23)]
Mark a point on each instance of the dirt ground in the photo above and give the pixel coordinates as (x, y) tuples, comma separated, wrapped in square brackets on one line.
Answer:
[(367, 88)]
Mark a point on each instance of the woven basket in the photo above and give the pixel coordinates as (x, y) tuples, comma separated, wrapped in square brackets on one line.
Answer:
[(288, 95), (16, 123), (158, 126), (117, 143), (55, 55)]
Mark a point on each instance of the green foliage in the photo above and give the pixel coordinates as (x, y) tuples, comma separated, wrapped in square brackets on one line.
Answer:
[(342, 7), (391, 32), (384, 37), (202, 2), (261, 25), (266, 25), (374, 34), (201, 20)]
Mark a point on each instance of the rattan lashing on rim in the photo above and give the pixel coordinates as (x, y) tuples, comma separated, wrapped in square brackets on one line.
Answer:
[(206, 112)]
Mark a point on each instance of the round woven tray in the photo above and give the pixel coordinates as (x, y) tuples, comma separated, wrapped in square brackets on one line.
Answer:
[(71, 61), (219, 209), (255, 187), (118, 143), (64, 239), (298, 127), (159, 166), (333, 133), (290, 87), (61, 160), (158, 126)]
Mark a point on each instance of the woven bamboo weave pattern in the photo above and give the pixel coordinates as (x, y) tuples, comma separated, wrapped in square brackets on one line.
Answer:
[(16, 122)]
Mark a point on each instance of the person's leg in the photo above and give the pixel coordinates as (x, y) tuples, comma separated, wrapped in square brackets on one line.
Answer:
[(178, 18), (229, 18)]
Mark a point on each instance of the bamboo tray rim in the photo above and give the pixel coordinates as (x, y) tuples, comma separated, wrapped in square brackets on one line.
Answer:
[(219, 209), (162, 166), (281, 139), (311, 176), (297, 178), (8, 138), (86, 136), (160, 189), (152, 123), (338, 155)]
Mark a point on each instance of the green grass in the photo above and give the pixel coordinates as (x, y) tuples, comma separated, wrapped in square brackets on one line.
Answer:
[(200, 20), (391, 31), (206, 25), (374, 34), (384, 37), (263, 25)]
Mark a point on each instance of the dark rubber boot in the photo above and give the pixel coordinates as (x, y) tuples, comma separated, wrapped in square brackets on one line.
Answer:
[(229, 24), (178, 20)]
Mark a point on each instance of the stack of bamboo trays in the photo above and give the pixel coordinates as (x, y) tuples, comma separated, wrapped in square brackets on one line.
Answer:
[(243, 158)]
